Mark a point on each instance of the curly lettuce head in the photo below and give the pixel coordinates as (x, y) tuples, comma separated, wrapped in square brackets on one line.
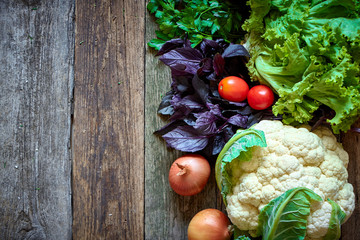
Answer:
[(309, 53)]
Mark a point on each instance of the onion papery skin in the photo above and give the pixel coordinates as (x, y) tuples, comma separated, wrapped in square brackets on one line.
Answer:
[(209, 224), (192, 179)]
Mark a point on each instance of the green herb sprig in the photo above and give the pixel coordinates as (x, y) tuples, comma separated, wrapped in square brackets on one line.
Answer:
[(198, 19)]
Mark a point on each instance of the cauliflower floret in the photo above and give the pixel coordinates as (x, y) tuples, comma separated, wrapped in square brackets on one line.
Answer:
[(312, 152), (277, 148), (342, 154), (269, 193), (249, 190), (311, 178), (318, 221), (288, 183), (330, 186), (332, 166), (270, 127), (264, 174), (243, 215), (346, 199), (312, 171), (294, 157), (250, 166), (327, 138), (331, 144), (287, 163)]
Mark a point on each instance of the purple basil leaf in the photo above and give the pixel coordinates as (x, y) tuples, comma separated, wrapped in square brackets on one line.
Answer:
[(218, 144), (238, 120), (205, 67), (169, 127), (189, 101), (180, 109), (175, 101), (219, 64), (212, 76), (205, 123), (181, 84), (201, 88), (166, 110), (184, 106), (225, 104), (235, 50), (190, 120), (238, 104), (228, 132), (165, 107), (178, 70), (180, 113), (254, 118), (222, 43), (236, 66), (214, 86), (245, 111), (185, 59), (214, 109), (209, 47), (186, 139), (187, 43), (170, 45)]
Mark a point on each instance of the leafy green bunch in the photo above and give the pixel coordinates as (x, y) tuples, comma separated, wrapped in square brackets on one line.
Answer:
[(308, 52), (198, 19)]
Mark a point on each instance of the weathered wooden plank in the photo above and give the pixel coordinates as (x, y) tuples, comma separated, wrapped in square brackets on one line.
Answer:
[(36, 84), (167, 214), (108, 127), (351, 143)]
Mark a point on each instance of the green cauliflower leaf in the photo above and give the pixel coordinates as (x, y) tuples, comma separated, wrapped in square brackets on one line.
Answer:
[(337, 218), (235, 151), (285, 217)]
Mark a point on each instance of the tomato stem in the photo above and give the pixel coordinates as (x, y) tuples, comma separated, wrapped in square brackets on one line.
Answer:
[(182, 169)]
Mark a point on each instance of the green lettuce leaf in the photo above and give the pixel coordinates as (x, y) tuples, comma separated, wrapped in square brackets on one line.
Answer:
[(285, 217), (235, 151), (337, 218), (309, 53)]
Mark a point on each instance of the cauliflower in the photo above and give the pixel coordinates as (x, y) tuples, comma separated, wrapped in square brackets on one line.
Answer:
[(293, 157)]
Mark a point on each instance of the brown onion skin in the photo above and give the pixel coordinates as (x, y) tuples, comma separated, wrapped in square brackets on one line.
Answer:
[(194, 179), (209, 224)]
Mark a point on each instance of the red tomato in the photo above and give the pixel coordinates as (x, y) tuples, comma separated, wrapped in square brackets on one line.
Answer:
[(260, 97), (233, 89)]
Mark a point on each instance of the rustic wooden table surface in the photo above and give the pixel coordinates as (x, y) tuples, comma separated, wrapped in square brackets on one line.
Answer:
[(79, 91)]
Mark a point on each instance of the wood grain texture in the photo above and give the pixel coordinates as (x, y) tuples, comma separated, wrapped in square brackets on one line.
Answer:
[(108, 125), (167, 214), (36, 84), (351, 143)]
